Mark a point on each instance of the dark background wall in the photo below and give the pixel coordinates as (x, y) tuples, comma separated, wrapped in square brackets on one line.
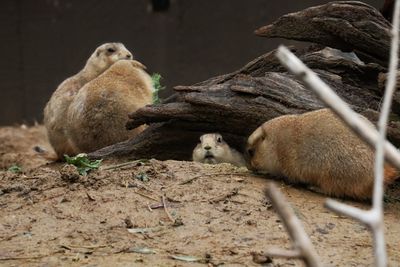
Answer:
[(45, 41)]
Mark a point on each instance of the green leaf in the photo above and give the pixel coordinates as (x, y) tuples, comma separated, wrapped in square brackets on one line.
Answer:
[(156, 78), (83, 163), (15, 169)]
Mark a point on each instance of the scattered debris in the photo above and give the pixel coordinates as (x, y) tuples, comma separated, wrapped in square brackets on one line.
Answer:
[(166, 210), (234, 192), (138, 162), (260, 258), (142, 250), (90, 197), (69, 173), (144, 230), (142, 177), (186, 258), (128, 222), (178, 222)]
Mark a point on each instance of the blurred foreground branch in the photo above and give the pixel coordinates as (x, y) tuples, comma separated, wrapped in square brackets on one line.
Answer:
[(373, 217), (303, 247)]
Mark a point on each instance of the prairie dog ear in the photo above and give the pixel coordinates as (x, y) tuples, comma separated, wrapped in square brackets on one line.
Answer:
[(256, 135), (137, 64), (218, 138)]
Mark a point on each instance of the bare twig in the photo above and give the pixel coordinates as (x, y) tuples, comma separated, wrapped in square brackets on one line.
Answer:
[(322, 90), (23, 257), (282, 253), (146, 196), (373, 217), (230, 194), (150, 209), (377, 201), (120, 165), (70, 247), (166, 210), (302, 244), (89, 196), (191, 179)]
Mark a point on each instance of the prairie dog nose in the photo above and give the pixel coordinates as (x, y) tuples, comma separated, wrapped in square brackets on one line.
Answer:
[(207, 147), (128, 56)]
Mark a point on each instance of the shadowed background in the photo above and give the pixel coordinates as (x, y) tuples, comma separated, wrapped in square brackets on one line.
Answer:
[(45, 41)]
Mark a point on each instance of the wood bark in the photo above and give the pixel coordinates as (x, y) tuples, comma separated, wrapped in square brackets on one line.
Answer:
[(235, 104)]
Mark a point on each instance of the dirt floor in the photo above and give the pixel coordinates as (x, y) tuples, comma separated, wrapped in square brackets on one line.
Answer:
[(215, 214)]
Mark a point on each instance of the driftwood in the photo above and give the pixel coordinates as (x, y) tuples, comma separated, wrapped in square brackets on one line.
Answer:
[(346, 25), (237, 103)]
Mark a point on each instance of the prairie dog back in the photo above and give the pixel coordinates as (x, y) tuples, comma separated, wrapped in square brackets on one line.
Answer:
[(212, 149), (318, 149)]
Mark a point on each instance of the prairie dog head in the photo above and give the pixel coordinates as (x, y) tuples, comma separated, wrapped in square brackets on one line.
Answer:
[(107, 54), (261, 149), (212, 149)]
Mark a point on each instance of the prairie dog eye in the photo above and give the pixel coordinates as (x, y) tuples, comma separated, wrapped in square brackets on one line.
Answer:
[(110, 50), (219, 140)]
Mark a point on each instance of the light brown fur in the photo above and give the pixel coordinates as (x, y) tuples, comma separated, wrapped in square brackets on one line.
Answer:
[(318, 149), (212, 149), (55, 112), (99, 112)]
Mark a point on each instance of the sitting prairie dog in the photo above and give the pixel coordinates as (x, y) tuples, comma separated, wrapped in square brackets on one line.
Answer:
[(98, 113), (212, 149), (55, 112), (318, 149)]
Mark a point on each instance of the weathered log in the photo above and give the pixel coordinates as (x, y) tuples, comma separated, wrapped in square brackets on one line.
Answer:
[(237, 103), (346, 25)]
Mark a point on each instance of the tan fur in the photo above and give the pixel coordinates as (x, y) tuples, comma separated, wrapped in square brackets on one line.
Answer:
[(55, 112), (212, 149), (318, 149), (99, 112)]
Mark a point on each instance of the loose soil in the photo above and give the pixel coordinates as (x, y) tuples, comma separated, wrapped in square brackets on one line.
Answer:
[(217, 214)]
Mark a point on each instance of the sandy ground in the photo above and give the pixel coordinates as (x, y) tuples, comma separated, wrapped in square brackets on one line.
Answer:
[(215, 214)]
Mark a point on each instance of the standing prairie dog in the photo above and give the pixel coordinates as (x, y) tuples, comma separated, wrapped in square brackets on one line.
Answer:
[(212, 149), (55, 112), (318, 149), (98, 113)]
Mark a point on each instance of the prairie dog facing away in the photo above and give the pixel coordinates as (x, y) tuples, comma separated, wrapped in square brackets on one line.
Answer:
[(318, 149), (98, 113), (55, 112), (212, 149)]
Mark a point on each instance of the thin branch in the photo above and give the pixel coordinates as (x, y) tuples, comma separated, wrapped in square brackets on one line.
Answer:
[(373, 217), (377, 201), (120, 165), (166, 210), (326, 95), (146, 196), (364, 216), (293, 226)]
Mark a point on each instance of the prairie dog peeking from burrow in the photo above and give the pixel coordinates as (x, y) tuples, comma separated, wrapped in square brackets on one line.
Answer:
[(212, 149)]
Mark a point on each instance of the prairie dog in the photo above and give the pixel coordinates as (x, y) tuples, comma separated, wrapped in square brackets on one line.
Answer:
[(212, 149), (55, 112), (318, 149), (98, 113)]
